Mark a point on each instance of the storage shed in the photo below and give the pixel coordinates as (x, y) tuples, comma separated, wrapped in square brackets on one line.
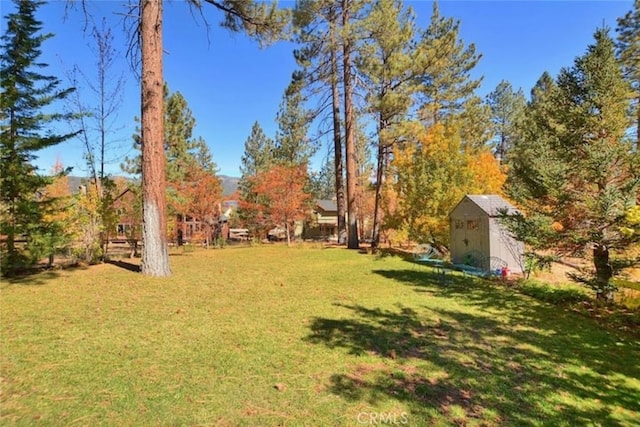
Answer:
[(475, 229)]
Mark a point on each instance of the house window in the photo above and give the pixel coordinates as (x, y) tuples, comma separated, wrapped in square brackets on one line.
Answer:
[(459, 224), (123, 229), (473, 224)]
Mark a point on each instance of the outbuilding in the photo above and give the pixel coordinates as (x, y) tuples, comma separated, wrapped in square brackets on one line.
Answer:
[(476, 231)]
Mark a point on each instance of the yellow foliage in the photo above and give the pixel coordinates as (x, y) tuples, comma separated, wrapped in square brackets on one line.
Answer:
[(633, 215), (433, 173), (488, 177)]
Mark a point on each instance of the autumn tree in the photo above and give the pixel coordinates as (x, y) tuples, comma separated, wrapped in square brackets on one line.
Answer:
[(97, 121), (628, 49), (283, 199), (202, 190), (58, 229), (443, 155), (183, 153), (25, 129), (580, 202), (433, 173)]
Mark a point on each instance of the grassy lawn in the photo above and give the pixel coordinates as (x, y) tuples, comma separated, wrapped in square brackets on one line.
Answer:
[(271, 335)]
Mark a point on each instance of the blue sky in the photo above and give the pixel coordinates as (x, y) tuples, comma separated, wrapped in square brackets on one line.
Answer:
[(230, 82)]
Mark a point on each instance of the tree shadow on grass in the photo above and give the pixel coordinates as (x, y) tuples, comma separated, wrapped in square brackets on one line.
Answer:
[(125, 265), (507, 361), (37, 278), (40, 275)]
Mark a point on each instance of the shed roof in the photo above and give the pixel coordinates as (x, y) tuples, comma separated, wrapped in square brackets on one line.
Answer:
[(491, 204), (327, 205)]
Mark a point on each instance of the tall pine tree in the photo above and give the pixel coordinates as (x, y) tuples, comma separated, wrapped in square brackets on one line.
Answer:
[(384, 63), (317, 24), (26, 101)]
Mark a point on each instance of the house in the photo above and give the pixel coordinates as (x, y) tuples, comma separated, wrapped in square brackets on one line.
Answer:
[(324, 221), (475, 228)]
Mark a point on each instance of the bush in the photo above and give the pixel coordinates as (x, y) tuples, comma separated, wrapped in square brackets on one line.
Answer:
[(552, 294)]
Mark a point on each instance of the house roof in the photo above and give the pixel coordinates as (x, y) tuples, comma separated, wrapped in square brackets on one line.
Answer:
[(327, 205), (491, 204)]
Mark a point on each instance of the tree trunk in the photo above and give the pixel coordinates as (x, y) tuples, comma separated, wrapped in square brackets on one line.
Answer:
[(638, 123), (155, 256), (375, 240), (337, 134), (287, 231), (604, 273), (352, 226)]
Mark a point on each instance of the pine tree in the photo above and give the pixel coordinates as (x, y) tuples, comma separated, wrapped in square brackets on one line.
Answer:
[(350, 10), (258, 158), (26, 93), (384, 62), (258, 152), (293, 146), (318, 30), (507, 111), (529, 166), (444, 65), (628, 47), (584, 176)]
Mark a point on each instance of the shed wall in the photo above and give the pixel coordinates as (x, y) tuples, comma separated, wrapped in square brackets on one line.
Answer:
[(469, 231), (472, 229)]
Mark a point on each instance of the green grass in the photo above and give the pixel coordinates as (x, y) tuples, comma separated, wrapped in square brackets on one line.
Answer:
[(271, 335)]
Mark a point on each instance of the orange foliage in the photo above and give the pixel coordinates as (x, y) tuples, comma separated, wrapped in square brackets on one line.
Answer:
[(282, 189)]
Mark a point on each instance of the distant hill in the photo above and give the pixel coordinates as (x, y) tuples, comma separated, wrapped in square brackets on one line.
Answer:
[(229, 183)]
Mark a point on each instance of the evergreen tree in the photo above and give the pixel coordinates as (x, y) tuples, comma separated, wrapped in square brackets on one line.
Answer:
[(351, 11), (529, 167), (384, 63), (258, 152), (507, 111), (444, 66), (318, 30), (628, 47), (178, 135), (322, 183), (584, 175), (258, 158), (293, 146), (24, 129)]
